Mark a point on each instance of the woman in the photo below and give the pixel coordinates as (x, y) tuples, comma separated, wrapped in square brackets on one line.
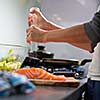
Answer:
[(85, 36)]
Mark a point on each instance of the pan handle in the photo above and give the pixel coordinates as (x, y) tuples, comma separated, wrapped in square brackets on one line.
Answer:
[(83, 62)]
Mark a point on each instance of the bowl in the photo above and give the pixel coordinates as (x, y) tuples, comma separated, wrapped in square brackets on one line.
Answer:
[(68, 12), (12, 56)]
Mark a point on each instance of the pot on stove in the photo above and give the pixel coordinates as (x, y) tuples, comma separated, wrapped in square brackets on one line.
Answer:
[(41, 53)]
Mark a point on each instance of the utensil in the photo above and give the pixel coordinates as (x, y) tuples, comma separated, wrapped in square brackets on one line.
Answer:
[(41, 53), (58, 63)]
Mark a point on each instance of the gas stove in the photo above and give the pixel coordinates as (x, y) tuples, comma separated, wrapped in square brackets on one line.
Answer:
[(68, 68)]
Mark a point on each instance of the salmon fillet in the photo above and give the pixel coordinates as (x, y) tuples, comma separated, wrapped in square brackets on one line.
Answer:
[(38, 73)]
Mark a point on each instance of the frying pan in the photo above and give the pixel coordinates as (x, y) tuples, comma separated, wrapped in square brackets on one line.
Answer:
[(53, 63), (58, 63), (72, 65)]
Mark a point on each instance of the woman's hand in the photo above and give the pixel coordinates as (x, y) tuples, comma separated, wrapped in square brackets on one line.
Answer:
[(35, 34), (37, 19), (38, 26)]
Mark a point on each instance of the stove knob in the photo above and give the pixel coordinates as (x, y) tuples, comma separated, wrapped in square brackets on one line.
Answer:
[(76, 75)]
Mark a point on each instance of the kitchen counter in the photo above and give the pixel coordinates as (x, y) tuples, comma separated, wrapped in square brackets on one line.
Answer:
[(53, 93)]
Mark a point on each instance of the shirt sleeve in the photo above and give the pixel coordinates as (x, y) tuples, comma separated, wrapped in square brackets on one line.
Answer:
[(92, 30)]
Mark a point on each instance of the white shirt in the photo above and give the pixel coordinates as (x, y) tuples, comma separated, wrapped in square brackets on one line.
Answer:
[(94, 68)]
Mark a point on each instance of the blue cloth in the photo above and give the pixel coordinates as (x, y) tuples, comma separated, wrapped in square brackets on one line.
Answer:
[(13, 83), (92, 90)]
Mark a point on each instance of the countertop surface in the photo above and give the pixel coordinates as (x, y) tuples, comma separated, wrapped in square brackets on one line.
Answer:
[(52, 93)]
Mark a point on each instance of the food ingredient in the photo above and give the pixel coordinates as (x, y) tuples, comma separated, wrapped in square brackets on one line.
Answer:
[(9, 62), (38, 73)]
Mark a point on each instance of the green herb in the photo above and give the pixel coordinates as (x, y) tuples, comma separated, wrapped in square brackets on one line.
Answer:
[(9, 62)]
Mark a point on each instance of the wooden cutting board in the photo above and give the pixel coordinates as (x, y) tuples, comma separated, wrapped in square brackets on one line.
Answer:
[(71, 82)]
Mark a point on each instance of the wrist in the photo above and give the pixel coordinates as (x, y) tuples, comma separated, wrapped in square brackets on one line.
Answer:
[(45, 35)]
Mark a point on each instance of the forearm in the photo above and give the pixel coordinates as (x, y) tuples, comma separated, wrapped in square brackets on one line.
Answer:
[(74, 35), (52, 26)]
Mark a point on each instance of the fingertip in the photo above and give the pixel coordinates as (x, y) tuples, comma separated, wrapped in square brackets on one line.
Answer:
[(28, 41), (34, 9)]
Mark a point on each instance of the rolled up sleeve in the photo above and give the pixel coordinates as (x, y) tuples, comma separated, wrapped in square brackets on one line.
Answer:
[(92, 30)]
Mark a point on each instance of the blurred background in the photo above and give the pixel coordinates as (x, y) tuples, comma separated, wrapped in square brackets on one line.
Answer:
[(13, 22)]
